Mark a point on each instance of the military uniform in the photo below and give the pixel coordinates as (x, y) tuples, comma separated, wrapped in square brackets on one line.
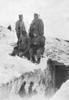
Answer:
[(24, 45), (20, 28), (23, 48), (37, 48), (37, 27)]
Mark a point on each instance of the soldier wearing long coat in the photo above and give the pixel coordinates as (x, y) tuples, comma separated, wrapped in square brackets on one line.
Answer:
[(37, 26), (20, 27)]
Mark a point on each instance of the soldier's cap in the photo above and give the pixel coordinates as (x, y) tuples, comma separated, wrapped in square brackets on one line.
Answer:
[(36, 14), (20, 15)]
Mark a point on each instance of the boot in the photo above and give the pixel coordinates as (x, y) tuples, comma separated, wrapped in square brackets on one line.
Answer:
[(33, 59), (13, 53), (38, 61)]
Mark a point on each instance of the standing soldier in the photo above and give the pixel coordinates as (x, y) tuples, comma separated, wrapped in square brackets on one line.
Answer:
[(36, 33), (37, 26), (21, 34), (20, 27)]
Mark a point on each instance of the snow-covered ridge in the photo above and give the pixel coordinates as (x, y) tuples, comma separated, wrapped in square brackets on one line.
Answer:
[(17, 73), (13, 68)]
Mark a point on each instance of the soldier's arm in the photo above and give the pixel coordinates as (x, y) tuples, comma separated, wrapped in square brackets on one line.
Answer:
[(24, 29), (41, 27), (30, 29), (41, 41), (16, 27)]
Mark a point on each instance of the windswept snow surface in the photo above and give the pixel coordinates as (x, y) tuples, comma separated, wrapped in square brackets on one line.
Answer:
[(57, 49)]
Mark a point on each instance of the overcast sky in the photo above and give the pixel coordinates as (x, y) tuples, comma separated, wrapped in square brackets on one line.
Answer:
[(55, 14)]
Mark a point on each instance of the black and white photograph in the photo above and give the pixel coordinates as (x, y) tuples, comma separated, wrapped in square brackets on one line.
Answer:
[(34, 49)]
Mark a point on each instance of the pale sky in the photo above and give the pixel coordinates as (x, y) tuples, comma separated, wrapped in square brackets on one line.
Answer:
[(54, 13)]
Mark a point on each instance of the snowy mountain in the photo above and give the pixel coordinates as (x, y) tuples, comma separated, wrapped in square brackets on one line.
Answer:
[(21, 78)]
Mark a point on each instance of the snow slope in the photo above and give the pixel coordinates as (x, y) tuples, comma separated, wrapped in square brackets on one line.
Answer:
[(62, 93), (12, 68)]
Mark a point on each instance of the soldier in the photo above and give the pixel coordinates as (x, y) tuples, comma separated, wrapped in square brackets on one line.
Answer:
[(20, 27), (23, 48), (37, 47), (36, 26)]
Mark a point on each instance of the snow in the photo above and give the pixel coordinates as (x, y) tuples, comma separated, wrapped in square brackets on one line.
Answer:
[(57, 50), (62, 93), (11, 67)]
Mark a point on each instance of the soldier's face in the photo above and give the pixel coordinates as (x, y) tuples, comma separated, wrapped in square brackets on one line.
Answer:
[(20, 18), (35, 16), (35, 35)]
